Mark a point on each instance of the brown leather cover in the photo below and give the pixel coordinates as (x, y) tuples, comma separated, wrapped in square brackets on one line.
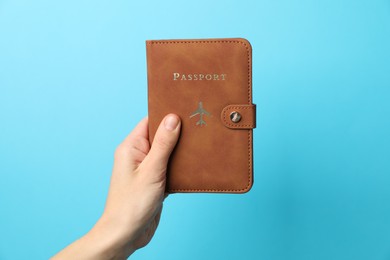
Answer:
[(204, 81)]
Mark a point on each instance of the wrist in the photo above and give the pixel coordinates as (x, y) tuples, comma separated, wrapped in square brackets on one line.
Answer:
[(99, 243), (107, 235)]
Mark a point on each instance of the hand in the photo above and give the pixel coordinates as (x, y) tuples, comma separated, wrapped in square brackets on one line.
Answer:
[(135, 198)]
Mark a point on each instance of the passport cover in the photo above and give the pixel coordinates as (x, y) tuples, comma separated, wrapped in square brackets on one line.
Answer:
[(208, 84)]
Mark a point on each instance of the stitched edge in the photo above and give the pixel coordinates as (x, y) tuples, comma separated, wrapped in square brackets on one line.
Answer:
[(195, 41), (249, 101)]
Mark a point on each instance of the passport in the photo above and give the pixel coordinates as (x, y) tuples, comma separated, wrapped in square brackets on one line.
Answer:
[(208, 84)]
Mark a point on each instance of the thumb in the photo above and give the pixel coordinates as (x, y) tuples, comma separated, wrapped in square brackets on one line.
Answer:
[(164, 141)]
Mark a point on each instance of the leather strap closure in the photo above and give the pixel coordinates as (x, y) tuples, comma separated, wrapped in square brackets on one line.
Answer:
[(239, 116)]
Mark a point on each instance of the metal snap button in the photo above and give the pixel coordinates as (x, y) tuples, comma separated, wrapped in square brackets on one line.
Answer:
[(235, 117)]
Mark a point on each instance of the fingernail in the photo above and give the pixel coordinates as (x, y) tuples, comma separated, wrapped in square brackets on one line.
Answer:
[(171, 122)]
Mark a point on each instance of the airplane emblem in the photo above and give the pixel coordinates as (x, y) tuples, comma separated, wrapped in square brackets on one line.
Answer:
[(200, 111)]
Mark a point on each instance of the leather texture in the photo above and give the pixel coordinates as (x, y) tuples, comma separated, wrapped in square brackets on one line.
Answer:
[(204, 81)]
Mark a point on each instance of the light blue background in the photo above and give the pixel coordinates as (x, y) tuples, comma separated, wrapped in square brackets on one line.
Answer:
[(73, 84)]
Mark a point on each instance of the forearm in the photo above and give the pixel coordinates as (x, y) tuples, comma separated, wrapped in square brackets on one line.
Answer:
[(101, 242)]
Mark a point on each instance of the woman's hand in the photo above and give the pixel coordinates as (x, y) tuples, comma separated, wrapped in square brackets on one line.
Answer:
[(135, 198)]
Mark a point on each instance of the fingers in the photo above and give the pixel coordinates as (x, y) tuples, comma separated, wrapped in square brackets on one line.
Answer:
[(164, 141), (141, 130), (135, 146)]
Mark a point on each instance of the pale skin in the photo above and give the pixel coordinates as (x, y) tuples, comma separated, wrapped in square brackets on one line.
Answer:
[(135, 198)]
